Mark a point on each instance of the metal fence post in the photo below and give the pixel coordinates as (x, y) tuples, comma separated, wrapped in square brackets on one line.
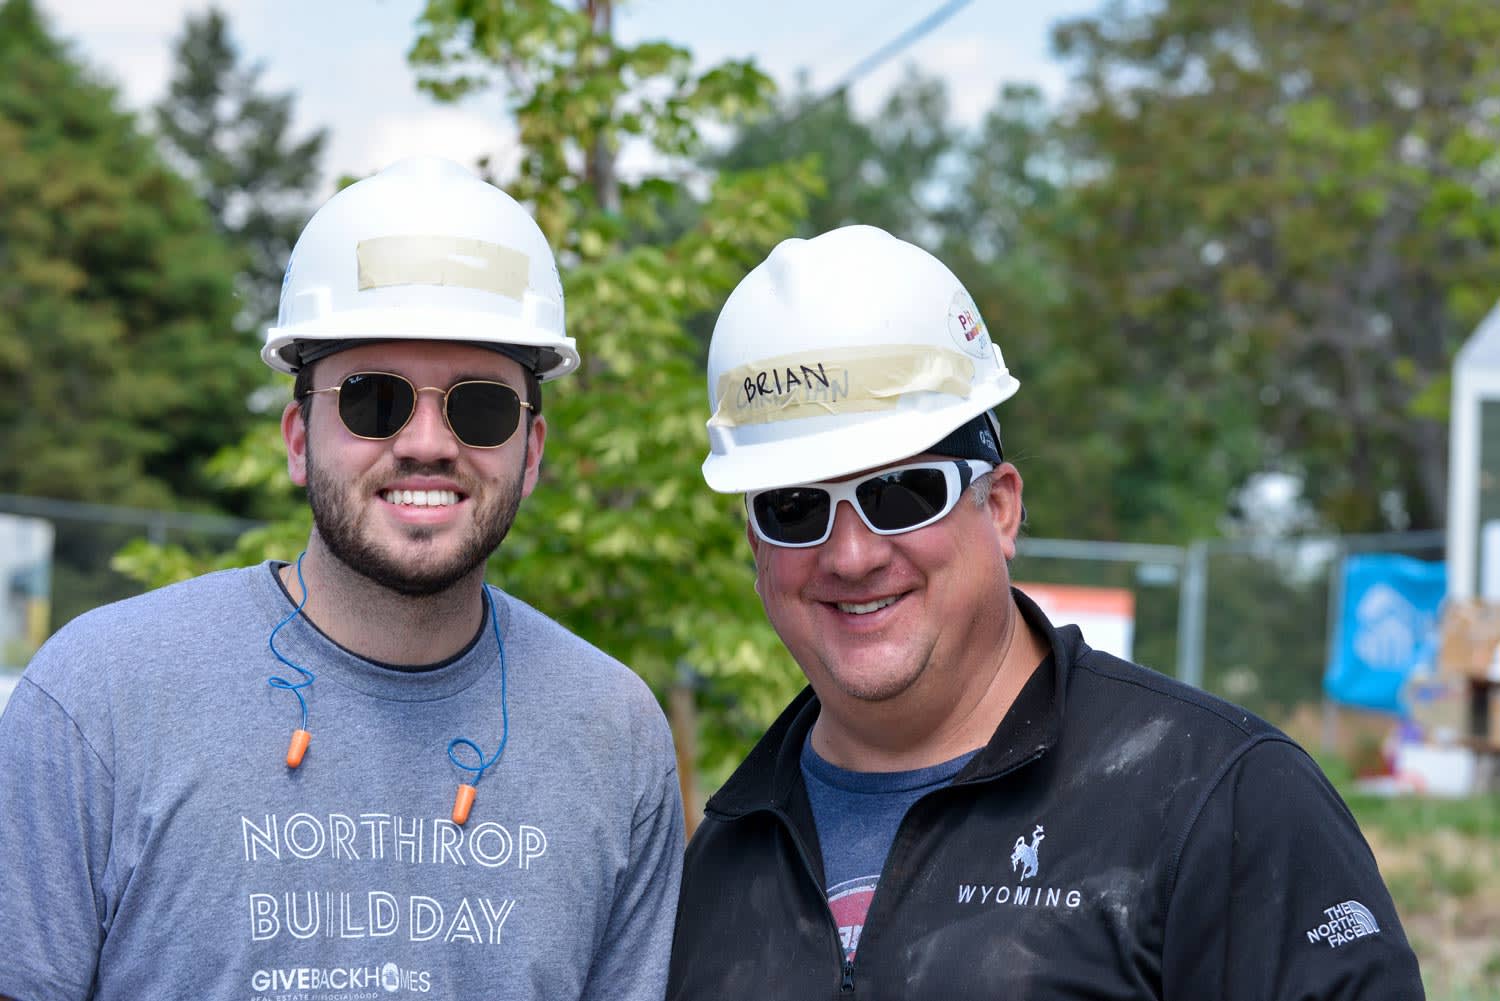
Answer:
[(1329, 738), (1191, 614)]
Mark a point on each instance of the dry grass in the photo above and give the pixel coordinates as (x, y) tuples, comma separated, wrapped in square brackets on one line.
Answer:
[(1441, 860)]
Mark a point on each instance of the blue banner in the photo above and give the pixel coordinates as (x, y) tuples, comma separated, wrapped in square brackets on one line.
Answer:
[(1387, 627)]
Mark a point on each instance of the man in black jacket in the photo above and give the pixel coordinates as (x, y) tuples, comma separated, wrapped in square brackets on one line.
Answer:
[(969, 802)]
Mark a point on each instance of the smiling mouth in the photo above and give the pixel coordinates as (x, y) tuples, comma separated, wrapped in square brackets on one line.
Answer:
[(420, 498), (864, 607)]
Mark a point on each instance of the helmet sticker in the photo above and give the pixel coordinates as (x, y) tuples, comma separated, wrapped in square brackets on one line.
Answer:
[(839, 381), (457, 262), (966, 326)]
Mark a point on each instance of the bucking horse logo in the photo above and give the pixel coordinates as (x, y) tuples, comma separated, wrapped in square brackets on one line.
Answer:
[(1024, 855)]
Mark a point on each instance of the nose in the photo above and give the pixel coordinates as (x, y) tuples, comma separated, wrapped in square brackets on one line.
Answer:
[(852, 550), (426, 437)]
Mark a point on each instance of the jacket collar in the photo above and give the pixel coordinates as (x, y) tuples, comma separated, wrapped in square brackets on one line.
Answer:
[(771, 775)]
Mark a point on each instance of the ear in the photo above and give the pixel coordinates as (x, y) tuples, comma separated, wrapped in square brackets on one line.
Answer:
[(1005, 507), (536, 440), (294, 434), (755, 544)]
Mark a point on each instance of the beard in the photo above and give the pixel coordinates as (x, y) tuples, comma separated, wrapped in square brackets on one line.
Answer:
[(336, 509)]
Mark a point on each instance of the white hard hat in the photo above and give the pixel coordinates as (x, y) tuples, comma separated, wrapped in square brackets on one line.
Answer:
[(423, 250), (842, 353)]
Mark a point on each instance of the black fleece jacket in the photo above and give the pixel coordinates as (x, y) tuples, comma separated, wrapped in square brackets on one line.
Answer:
[(1121, 835)]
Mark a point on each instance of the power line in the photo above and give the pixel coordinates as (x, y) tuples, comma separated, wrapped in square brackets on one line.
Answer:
[(902, 41)]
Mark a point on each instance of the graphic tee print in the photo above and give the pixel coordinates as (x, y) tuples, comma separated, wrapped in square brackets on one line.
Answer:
[(857, 815), (214, 871), (850, 902)]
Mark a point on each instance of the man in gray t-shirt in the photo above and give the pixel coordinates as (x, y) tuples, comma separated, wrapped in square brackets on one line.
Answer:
[(365, 773)]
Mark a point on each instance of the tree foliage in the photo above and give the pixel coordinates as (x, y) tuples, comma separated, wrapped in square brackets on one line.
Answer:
[(622, 541), (1008, 210), (883, 171), (1290, 227), (233, 141), (119, 365)]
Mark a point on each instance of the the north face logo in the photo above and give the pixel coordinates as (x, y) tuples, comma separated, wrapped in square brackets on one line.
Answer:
[(1024, 855), (1345, 923)]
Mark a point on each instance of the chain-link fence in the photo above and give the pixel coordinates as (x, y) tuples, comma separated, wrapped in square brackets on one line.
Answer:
[(1247, 619), (1151, 574), (85, 538), (1269, 608)]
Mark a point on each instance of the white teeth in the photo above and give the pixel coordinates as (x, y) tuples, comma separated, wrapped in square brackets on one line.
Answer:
[(865, 608), (421, 498)]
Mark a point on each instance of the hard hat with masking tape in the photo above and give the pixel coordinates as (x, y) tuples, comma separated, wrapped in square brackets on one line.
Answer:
[(423, 250), (841, 353)]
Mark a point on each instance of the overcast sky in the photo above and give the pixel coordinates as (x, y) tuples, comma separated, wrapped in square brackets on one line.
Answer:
[(345, 59)]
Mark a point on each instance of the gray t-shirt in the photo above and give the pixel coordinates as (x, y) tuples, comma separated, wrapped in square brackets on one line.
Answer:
[(154, 844)]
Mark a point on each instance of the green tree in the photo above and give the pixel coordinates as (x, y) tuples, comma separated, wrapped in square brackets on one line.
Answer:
[(883, 171), (1009, 208), (234, 143), (119, 366), (1288, 226), (622, 541)]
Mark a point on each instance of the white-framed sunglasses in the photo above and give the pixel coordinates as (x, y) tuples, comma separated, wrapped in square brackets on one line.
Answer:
[(889, 502)]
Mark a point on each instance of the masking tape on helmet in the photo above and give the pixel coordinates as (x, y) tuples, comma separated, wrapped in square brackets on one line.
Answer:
[(839, 381), (442, 260)]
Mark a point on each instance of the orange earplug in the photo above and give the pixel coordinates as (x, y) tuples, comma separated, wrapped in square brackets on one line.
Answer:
[(462, 802), (297, 748)]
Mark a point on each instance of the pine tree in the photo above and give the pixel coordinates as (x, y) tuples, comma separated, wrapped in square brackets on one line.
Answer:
[(235, 143), (119, 368)]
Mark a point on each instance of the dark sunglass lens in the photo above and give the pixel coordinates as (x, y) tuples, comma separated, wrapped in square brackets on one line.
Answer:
[(904, 498), (792, 514), (483, 414), (374, 404)]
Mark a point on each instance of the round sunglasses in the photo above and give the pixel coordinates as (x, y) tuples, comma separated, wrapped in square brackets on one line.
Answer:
[(889, 502), (378, 405)]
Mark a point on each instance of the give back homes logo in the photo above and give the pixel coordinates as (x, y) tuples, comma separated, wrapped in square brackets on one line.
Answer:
[(1025, 864)]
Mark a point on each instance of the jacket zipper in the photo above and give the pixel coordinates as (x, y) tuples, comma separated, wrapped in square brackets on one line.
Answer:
[(846, 966)]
